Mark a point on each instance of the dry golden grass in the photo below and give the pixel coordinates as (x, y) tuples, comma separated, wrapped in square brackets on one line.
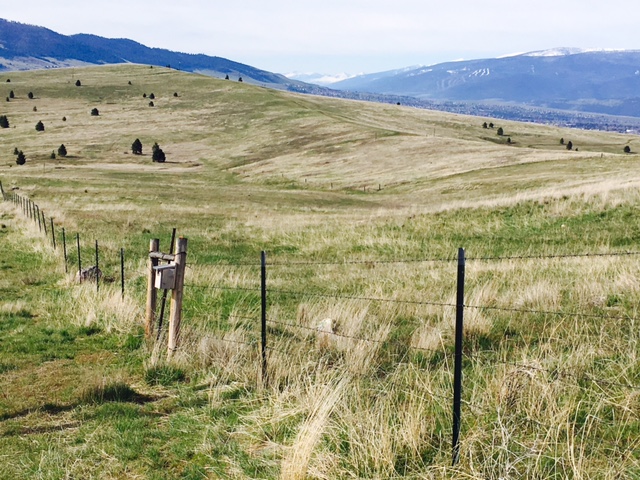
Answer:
[(313, 179)]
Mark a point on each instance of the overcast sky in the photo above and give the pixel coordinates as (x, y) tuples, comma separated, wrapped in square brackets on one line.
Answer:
[(352, 36)]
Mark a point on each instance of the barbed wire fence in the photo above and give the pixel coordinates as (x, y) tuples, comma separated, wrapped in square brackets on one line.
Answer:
[(262, 297)]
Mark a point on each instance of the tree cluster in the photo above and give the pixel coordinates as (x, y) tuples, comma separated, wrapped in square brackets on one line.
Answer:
[(20, 158), (158, 155)]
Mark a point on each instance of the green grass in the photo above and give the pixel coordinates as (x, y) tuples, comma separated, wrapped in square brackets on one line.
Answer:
[(336, 193)]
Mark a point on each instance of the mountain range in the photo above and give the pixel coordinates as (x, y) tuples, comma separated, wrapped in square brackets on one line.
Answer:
[(26, 47), (601, 81), (563, 86)]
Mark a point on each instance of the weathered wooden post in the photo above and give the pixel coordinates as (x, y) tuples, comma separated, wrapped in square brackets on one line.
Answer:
[(44, 224), (175, 314), (152, 297)]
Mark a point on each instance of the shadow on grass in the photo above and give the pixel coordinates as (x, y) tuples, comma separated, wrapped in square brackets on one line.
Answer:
[(113, 392)]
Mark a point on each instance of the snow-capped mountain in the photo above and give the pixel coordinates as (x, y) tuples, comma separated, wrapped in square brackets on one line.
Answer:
[(602, 81)]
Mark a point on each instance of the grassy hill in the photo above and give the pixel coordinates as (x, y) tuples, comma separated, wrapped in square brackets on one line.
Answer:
[(349, 200)]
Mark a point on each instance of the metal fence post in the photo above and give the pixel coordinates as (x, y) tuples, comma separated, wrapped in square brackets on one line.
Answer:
[(122, 271), (79, 258), (64, 249), (457, 375), (97, 268), (263, 295), (53, 235)]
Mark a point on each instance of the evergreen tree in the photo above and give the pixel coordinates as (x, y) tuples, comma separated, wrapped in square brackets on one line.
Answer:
[(175, 94), (569, 145), (95, 112), (4, 121), (240, 79), (152, 96), (62, 150), (78, 83), (11, 94), (136, 147), (226, 77), (30, 95), (500, 131), (627, 149), (16, 151), (53, 155), (40, 126), (158, 154), (151, 104), (562, 141), (484, 125), (21, 159)]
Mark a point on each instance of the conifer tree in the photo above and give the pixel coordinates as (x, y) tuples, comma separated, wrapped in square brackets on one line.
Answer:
[(136, 147), (21, 159), (62, 150), (4, 121)]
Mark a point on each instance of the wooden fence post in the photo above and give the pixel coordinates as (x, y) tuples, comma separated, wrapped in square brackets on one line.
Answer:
[(175, 314), (152, 295)]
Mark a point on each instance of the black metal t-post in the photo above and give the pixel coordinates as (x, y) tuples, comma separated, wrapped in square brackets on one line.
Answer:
[(457, 374), (263, 291)]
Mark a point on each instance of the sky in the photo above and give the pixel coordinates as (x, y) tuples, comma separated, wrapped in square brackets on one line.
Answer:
[(343, 36)]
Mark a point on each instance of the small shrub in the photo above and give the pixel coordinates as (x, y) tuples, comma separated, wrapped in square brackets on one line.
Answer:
[(627, 149), (175, 94), (35, 109), (21, 159), (95, 112), (64, 119), (144, 95), (8, 99), (16, 151), (151, 104), (569, 145), (240, 79), (562, 141), (484, 125), (11, 94), (53, 155), (129, 82)]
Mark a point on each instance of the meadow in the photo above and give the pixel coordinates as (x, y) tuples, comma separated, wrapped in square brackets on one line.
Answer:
[(360, 208)]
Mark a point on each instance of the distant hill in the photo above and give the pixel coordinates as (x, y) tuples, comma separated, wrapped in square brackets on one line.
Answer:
[(606, 82), (26, 47)]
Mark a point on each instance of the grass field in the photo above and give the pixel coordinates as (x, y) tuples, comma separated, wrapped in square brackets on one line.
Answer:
[(349, 200)]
